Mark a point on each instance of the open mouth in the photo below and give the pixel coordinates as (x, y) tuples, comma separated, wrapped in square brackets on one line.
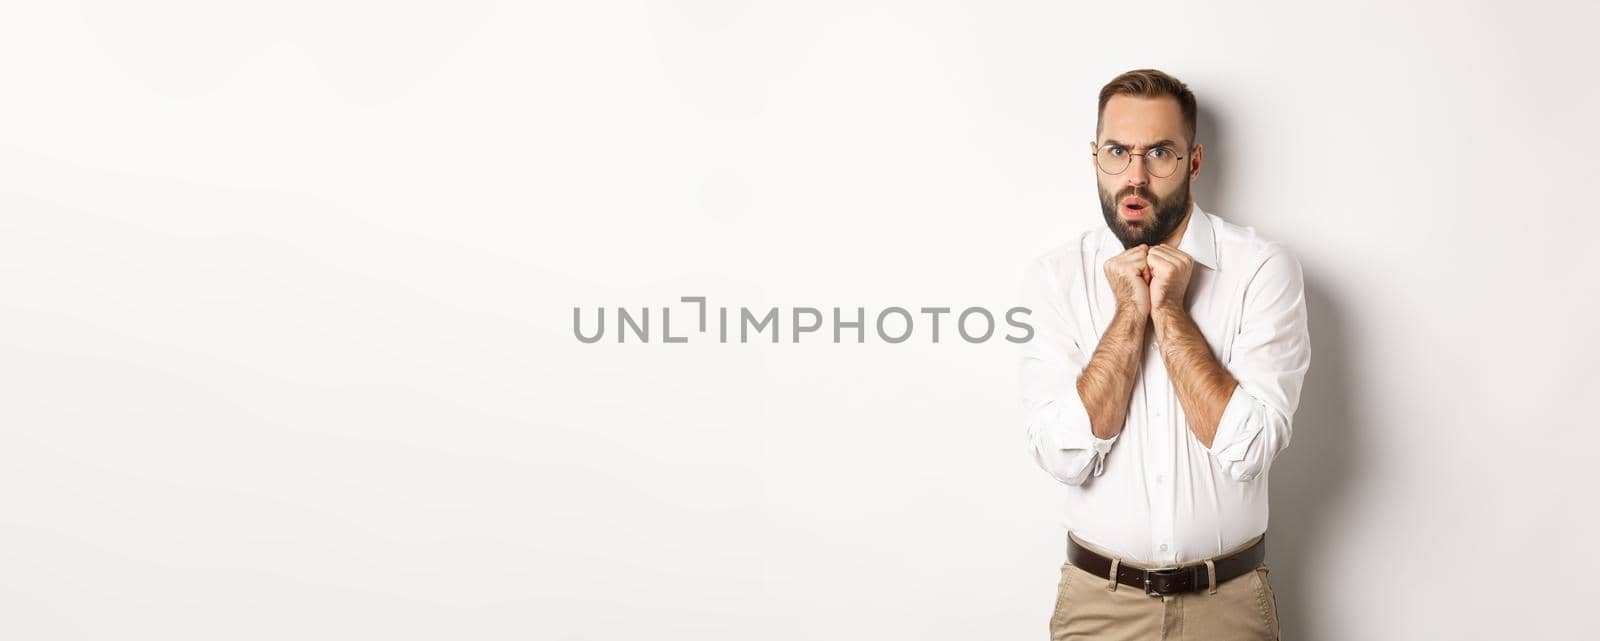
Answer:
[(1134, 207)]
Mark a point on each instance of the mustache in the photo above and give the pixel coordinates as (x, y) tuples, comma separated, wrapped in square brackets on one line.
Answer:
[(1135, 191)]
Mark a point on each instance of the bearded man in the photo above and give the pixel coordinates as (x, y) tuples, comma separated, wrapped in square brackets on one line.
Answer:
[(1169, 350)]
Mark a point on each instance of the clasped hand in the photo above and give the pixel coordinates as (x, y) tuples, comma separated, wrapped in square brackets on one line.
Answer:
[(1150, 278)]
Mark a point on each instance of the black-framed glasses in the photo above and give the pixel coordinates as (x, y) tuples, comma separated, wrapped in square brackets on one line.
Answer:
[(1160, 161)]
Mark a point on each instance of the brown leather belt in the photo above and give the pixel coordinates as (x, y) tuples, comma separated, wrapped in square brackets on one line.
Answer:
[(1161, 581)]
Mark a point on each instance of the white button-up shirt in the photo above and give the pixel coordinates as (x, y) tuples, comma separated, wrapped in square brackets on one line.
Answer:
[(1154, 493)]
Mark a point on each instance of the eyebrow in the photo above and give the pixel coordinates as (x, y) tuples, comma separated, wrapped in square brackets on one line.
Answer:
[(1158, 143)]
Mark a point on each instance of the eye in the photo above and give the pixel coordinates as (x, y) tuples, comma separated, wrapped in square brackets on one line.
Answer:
[(1161, 153), (1115, 151)]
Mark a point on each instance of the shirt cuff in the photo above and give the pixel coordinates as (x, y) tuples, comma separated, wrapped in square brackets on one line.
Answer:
[(1102, 446), (1078, 434), (1240, 424)]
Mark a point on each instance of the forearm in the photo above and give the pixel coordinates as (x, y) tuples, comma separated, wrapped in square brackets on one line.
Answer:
[(1107, 381), (1202, 384)]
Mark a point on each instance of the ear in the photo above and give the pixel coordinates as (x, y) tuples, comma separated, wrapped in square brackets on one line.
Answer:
[(1195, 158)]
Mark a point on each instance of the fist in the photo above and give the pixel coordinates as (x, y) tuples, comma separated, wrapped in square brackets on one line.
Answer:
[(1129, 275), (1169, 282)]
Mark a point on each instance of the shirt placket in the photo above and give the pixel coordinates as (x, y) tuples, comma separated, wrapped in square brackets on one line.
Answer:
[(1159, 453)]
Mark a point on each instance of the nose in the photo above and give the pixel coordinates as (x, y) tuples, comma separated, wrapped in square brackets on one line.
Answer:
[(1137, 174)]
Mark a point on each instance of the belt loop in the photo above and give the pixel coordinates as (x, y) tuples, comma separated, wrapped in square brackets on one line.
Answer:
[(1211, 574), (1115, 562)]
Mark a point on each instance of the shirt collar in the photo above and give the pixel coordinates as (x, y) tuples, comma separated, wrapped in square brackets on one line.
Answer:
[(1199, 239)]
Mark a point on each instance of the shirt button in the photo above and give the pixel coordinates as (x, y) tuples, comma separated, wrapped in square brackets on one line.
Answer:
[(1163, 547), (1161, 478)]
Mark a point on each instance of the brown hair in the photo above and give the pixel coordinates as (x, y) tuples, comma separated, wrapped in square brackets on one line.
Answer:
[(1150, 83)]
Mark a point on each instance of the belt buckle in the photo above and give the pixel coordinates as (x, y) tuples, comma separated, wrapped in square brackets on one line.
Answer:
[(1162, 572)]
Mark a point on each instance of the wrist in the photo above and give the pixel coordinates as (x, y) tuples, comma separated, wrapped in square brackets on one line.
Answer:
[(1163, 318), (1133, 313)]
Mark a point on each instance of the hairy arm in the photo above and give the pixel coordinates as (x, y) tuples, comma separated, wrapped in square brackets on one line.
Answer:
[(1075, 401), (1107, 382), (1203, 385), (1244, 414)]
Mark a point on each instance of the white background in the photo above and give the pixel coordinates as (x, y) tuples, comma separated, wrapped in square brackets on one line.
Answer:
[(285, 315)]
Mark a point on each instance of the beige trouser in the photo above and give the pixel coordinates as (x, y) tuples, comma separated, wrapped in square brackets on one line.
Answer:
[(1095, 607)]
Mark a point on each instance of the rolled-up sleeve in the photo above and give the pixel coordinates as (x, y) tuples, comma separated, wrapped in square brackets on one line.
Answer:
[(1060, 438), (1269, 358)]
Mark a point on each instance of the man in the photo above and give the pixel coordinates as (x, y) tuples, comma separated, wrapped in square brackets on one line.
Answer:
[(1166, 366)]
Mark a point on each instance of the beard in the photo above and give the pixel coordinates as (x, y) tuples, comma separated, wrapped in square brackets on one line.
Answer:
[(1163, 217)]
